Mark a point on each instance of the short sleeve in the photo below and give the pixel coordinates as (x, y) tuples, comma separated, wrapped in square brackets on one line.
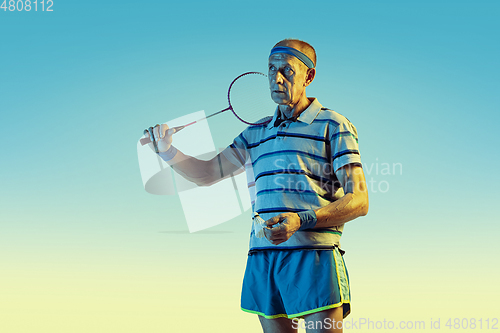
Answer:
[(344, 145), (236, 152)]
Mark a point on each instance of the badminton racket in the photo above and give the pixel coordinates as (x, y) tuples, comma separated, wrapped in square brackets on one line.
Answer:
[(249, 100)]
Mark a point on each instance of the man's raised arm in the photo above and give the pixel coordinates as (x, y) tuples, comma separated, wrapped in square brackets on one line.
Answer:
[(200, 172)]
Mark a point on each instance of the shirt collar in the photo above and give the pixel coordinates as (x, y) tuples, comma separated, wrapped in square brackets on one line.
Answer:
[(307, 116)]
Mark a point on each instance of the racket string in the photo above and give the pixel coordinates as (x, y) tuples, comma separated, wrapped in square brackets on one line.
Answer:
[(250, 98)]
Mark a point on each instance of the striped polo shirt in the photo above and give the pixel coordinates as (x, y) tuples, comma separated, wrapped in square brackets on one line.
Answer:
[(291, 168)]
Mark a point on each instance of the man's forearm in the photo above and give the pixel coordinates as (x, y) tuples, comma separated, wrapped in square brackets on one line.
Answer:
[(345, 209), (200, 172), (197, 171)]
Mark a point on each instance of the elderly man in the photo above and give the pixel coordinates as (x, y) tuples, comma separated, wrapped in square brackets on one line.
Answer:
[(308, 182)]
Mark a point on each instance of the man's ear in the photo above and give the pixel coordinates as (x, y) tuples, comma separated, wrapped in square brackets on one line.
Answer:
[(311, 73)]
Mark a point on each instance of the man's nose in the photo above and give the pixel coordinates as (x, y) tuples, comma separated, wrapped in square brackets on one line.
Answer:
[(278, 78)]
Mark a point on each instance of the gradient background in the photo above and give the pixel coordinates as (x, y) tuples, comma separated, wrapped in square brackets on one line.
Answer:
[(83, 248)]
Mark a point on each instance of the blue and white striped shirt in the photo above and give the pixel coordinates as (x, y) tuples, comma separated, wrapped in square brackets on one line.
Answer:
[(291, 168)]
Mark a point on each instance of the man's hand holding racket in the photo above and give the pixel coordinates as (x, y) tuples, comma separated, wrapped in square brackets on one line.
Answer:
[(160, 136)]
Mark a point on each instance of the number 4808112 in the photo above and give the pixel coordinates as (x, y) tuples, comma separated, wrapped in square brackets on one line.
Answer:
[(27, 5)]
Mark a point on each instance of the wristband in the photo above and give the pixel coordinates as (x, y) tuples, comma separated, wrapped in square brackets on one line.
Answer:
[(307, 219), (168, 154)]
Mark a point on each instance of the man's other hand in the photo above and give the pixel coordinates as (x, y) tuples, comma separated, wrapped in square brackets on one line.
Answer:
[(281, 227)]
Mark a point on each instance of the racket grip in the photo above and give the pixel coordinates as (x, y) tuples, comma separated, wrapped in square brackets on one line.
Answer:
[(145, 141)]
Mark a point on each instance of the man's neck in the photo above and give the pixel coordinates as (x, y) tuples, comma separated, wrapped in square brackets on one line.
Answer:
[(293, 111)]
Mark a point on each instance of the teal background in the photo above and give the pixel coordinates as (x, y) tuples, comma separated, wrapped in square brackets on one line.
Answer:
[(84, 248)]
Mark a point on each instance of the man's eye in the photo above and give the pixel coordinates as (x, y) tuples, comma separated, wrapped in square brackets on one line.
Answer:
[(288, 71)]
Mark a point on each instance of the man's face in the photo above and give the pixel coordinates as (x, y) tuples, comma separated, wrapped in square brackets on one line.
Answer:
[(287, 76)]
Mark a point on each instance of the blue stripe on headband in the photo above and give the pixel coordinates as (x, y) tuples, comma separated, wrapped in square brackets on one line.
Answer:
[(294, 52)]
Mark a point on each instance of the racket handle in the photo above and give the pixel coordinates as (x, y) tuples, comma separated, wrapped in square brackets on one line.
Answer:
[(145, 141)]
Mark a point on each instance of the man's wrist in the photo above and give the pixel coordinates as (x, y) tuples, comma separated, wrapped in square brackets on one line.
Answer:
[(308, 219), (168, 154)]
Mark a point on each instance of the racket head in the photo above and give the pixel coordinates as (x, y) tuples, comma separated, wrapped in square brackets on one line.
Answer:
[(249, 98)]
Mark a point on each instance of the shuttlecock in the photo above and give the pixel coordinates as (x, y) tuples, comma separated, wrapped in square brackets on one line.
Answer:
[(258, 225)]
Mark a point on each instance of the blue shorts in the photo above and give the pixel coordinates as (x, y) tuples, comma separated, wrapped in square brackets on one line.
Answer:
[(294, 283)]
